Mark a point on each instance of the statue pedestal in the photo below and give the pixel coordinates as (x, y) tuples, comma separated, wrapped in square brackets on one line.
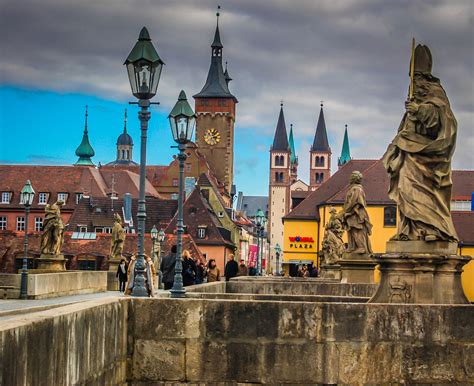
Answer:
[(330, 271), (49, 262), (113, 264), (420, 272), (356, 268)]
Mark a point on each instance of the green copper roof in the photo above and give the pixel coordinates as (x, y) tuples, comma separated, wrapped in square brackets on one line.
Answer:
[(345, 153), (143, 49), (85, 151), (182, 107), (293, 157)]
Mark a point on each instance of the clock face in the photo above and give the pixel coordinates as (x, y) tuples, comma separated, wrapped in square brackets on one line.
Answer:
[(212, 136)]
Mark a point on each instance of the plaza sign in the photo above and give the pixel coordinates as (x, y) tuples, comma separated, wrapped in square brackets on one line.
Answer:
[(299, 242)]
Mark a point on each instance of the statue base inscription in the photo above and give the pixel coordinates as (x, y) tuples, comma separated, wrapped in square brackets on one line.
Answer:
[(420, 272), (331, 271), (51, 263), (357, 268)]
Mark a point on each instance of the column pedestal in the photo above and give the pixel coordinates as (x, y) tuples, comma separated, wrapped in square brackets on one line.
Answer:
[(420, 272), (357, 268), (49, 262), (330, 271)]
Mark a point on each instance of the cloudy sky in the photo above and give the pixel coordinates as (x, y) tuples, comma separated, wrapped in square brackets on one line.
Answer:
[(57, 56)]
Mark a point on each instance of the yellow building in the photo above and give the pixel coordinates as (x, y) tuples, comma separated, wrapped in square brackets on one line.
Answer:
[(306, 221)]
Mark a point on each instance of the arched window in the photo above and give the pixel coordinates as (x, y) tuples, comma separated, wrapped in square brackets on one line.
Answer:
[(316, 161), (123, 154), (321, 161), (321, 178), (281, 176), (316, 178), (127, 154), (276, 177), (277, 160)]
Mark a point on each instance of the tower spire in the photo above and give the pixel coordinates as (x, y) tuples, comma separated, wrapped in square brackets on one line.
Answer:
[(125, 122), (320, 142), (293, 157), (280, 141), (345, 152), (85, 151)]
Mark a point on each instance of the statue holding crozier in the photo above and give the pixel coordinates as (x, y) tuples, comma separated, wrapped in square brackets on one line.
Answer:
[(421, 264), (419, 158)]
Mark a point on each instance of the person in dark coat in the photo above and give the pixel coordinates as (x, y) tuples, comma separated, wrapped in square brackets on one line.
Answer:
[(167, 268), (189, 269), (122, 274), (231, 268)]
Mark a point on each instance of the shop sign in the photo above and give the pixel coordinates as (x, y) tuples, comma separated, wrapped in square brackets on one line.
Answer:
[(299, 242)]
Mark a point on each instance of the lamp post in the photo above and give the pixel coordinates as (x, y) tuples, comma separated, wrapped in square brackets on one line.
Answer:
[(161, 238), (26, 198), (144, 69), (182, 119), (154, 236), (277, 254), (259, 217)]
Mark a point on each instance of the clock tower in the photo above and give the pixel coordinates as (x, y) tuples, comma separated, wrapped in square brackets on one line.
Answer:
[(215, 110)]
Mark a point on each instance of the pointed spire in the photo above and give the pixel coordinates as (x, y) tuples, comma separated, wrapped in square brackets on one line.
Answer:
[(85, 151), (227, 76), (345, 152), (280, 141), (320, 142), (293, 157), (125, 122), (217, 83)]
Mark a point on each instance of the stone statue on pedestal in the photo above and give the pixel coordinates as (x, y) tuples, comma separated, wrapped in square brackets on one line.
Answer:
[(333, 246), (52, 238), (118, 238), (355, 218), (421, 264), (419, 158)]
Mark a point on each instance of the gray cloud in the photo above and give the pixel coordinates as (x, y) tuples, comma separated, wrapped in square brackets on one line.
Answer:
[(352, 54)]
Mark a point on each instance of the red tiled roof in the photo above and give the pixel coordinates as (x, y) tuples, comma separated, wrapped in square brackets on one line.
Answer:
[(464, 225), (308, 208)]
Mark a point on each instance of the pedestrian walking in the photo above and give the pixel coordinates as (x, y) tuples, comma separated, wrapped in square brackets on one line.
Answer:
[(231, 268), (243, 270), (189, 269), (200, 271), (167, 269), (122, 274), (213, 273)]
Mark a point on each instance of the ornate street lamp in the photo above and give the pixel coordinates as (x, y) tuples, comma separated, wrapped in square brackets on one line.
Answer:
[(277, 254), (259, 218), (144, 69), (161, 238), (182, 120), (154, 236), (27, 195)]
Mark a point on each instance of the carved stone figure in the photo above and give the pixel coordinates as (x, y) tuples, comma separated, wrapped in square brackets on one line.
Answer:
[(118, 238), (419, 158), (333, 246), (53, 230), (355, 219)]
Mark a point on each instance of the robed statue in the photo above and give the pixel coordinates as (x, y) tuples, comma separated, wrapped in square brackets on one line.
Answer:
[(419, 158), (118, 238), (333, 246), (355, 218), (53, 230)]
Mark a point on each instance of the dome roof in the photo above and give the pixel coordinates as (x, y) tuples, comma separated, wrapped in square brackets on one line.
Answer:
[(125, 139)]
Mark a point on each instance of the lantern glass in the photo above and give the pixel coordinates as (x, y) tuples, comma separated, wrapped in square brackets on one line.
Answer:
[(260, 216), (182, 127), (144, 77), (27, 194), (154, 233), (161, 236)]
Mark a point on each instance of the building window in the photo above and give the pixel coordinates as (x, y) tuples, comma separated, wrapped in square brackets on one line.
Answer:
[(86, 265), (78, 197), (201, 232), (188, 168), (204, 102), (174, 196), (222, 102), (99, 230), (389, 216), (175, 182), (107, 230), (43, 198), (20, 223), (83, 229), (5, 197), (62, 197), (3, 223), (38, 224)]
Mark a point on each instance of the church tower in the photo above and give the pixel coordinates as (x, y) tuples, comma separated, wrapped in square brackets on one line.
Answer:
[(85, 151), (320, 155), (279, 199), (215, 111), (345, 152)]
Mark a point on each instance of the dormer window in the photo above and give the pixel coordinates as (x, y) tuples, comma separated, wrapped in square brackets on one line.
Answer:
[(43, 198), (201, 232), (62, 197), (6, 197)]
